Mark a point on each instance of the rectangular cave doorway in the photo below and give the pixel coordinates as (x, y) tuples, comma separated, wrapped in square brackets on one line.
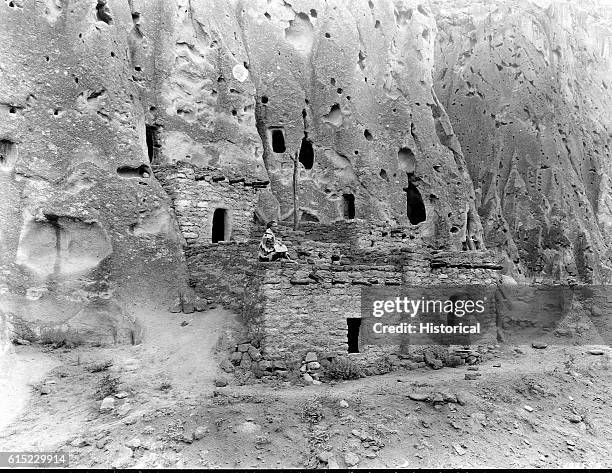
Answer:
[(152, 133), (349, 206), (354, 324), (220, 226)]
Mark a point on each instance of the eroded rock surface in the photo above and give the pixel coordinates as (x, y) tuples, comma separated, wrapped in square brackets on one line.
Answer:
[(345, 103), (336, 104), (5, 335), (84, 223), (527, 89)]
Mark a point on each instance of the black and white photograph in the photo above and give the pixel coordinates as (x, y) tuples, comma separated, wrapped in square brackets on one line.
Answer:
[(305, 234)]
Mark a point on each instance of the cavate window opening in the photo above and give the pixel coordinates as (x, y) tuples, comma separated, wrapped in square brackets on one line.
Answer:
[(153, 142), (220, 226), (308, 217), (415, 208), (278, 140), (306, 155), (354, 325), (103, 12), (407, 160), (349, 206), (142, 171)]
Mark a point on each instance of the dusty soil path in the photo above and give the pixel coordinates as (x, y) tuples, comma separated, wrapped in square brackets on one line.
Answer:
[(180, 357), (18, 371), (173, 416)]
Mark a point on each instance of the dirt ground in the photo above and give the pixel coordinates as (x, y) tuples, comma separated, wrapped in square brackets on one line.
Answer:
[(528, 408)]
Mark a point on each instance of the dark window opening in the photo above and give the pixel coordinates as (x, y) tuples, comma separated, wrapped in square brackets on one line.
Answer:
[(278, 141), (220, 227), (349, 206), (415, 208), (153, 142), (103, 12), (353, 334), (308, 217), (142, 171), (306, 156), (407, 160)]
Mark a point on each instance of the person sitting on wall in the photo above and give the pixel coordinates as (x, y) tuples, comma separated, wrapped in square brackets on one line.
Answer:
[(271, 248)]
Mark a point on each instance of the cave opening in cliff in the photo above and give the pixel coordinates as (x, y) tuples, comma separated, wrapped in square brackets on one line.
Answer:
[(278, 140), (220, 226), (354, 324), (103, 12), (415, 208), (153, 142), (407, 160), (349, 206), (306, 155)]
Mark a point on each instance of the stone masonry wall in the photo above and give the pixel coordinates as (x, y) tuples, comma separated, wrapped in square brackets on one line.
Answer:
[(197, 192), (295, 308), (306, 306)]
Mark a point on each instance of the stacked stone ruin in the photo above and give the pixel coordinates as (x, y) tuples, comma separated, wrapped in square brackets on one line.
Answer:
[(292, 309), (144, 145)]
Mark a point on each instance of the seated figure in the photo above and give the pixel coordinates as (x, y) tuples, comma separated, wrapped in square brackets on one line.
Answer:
[(271, 248)]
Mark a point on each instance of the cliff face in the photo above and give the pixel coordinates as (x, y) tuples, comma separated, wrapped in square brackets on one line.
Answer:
[(5, 337), (336, 103), (527, 89), (85, 227), (336, 97), (347, 86)]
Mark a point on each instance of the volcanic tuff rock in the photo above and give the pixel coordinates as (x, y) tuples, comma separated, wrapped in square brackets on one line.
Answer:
[(527, 89), (349, 87), (5, 341), (84, 222), (93, 93), (339, 96)]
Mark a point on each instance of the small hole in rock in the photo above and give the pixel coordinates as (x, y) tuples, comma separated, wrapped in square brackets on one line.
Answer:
[(306, 156), (278, 140), (415, 208), (103, 12), (153, 142), (142, 171)]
